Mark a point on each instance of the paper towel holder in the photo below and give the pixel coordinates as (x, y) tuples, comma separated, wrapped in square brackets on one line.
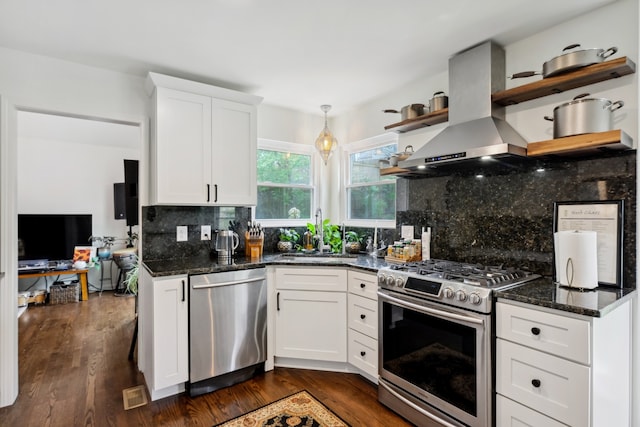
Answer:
[(606, 218)]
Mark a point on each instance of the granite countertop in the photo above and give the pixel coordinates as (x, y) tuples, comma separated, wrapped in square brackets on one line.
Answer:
[(546, 293), (205, 265)]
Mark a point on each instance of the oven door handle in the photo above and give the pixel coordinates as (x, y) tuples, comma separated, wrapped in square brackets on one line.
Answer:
[(416, 407), (428, 310)]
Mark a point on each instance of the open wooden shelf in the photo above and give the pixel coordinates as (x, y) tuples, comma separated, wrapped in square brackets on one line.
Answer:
[(581, 144), (425, 120), (582, 77), (393, 170)]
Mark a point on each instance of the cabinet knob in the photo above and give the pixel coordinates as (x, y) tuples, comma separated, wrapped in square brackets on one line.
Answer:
[(535, 331), (362, 316), (535, 383), (362, 285), (362, 353)]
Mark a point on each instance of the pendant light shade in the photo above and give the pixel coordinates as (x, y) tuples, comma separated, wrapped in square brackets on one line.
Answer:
[(326, 143)]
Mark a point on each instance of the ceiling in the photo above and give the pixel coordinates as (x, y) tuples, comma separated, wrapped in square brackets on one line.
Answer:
[(295, 53)]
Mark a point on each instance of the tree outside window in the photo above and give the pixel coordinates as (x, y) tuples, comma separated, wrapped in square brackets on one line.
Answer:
[(369, 195), (285, 190)]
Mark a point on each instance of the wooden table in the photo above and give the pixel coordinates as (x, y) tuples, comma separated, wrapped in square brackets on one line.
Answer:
[(82, 275)]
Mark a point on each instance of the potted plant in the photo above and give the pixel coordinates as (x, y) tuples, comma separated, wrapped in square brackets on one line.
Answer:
[(104, 251), (330, 234), (288, 238), (353, 243), (131, 279)]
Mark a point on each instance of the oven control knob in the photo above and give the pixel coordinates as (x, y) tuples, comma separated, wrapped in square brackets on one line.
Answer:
[(390, 281), (399, 282), (475, 299), (461, 296), (448, 293), (382, 278)]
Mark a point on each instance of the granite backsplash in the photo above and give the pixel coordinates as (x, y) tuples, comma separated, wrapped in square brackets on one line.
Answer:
[(507, 217), (504, 217)]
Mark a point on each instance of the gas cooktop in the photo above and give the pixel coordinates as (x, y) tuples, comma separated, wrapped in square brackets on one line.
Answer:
[(455, 283)]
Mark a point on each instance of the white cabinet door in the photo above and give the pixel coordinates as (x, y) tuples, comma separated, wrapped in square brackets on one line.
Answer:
[(363, 284), (363, 315), (181, 149), (363, 352), (311, 325), (234, 151), (170, 331)]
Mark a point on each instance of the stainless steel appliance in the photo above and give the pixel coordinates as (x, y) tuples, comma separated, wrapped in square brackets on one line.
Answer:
[(435, 345), (227, 242), (227, 328)]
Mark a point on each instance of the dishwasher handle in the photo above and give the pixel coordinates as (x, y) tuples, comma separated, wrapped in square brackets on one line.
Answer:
[(232, 282)]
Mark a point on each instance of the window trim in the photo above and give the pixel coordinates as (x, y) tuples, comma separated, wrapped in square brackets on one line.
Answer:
[(355, 147), (290, 147)]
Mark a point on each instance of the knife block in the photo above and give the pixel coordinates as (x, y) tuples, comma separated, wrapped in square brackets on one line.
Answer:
[(253, 245)]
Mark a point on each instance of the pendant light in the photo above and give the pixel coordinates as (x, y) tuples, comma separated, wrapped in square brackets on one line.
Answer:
[(326, 143)]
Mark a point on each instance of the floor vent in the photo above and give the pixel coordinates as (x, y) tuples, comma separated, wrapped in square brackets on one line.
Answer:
[(134, 397)]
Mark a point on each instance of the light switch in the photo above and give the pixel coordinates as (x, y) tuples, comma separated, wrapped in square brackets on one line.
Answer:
[(182, 232), (205, 232)]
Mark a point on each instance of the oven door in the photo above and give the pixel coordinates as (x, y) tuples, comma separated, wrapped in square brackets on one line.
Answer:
[(440, 355)]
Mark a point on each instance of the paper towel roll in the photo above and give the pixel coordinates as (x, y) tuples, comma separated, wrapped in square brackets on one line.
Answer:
[(576, 257)]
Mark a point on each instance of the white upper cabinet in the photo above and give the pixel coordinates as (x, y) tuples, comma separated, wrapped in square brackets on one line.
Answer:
[(203, 144)]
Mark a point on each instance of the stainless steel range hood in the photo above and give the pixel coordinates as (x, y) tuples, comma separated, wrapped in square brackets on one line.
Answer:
[(477, 130)]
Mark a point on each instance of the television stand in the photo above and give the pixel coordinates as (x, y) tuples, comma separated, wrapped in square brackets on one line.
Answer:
[(81, 273)]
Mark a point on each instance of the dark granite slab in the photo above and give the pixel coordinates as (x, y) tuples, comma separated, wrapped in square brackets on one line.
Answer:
[(546, 293), (204, 265)]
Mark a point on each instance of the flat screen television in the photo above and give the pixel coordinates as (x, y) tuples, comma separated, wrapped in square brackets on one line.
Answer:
[(52, 236)]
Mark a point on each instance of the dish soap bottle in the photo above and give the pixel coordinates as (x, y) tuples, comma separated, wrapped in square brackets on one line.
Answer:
[(307, 241)]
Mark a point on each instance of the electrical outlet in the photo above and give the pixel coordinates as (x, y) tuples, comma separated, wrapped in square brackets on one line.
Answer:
[(205, 232), (182, 233)]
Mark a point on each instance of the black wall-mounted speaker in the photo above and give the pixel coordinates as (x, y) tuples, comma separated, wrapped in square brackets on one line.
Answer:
[(131, 191), (119, 201)]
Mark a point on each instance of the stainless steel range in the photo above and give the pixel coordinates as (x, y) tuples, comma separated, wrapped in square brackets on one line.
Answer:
[(435, 340)]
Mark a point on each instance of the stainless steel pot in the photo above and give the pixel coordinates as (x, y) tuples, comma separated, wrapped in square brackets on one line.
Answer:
[(583, 115), (570, 61), (410, 111), (438, 102)]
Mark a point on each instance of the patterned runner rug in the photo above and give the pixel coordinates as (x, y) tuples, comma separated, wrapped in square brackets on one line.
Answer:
[(300, 409)]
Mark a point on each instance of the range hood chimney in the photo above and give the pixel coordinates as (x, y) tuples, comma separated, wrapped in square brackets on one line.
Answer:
[(477, 128)]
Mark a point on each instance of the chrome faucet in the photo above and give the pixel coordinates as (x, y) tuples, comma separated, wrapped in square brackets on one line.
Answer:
[(319, 231)]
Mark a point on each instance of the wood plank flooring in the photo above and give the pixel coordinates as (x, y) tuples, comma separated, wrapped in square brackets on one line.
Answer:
[(73, 368)]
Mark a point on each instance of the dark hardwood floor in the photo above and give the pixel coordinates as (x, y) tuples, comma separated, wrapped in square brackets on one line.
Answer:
[(73, 368)]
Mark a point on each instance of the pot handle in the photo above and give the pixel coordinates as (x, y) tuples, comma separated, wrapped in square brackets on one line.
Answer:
[(582, 95), (549, 118), (411, 146), (391, 111), (616, 105), (607, 53), (571, 46), (438, 93), (523, 74)]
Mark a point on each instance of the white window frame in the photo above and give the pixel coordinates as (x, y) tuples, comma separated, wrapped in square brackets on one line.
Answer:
[(347, 150), (290, 147)]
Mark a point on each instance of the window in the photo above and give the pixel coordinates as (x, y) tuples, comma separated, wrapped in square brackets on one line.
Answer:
[(370, 197), (285, 183)]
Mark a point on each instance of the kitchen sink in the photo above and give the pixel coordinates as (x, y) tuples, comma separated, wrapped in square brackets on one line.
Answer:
[(324, 258)]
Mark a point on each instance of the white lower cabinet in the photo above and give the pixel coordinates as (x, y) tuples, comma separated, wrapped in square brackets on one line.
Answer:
[(555, 368), (163, 333), (363, 322), (311, 314)]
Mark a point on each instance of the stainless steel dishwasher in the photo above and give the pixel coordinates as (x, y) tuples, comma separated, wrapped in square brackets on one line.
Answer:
[(227, 328)]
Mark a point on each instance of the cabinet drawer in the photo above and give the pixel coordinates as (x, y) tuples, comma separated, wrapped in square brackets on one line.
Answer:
[(312, 279), (363, 352), (513, 414), (363, 315), (548, 384), (363, 284), (555, 334)]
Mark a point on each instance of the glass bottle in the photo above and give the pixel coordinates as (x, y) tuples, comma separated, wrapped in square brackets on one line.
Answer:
[(307, 241)]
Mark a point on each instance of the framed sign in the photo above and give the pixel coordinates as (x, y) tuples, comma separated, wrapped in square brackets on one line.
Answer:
[(605, 217)]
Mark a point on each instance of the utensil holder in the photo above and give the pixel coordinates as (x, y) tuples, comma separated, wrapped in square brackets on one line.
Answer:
[(253, 245)]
